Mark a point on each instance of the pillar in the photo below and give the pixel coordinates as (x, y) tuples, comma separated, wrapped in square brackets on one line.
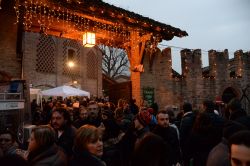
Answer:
[(135, 49)]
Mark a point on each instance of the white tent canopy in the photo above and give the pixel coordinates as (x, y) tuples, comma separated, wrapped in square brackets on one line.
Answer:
[(65, 91)]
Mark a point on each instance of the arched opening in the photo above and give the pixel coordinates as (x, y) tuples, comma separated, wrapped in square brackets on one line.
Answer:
[(228, 94)]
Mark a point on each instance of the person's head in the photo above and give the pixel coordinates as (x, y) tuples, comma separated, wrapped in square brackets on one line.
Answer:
[(142, 119), (187, 107), (132, 101), (119, 113), (83, 113), (120, 103), (239, 147), (208, 106), (107, 114), (93, 110), (88, 138), (162, 118), (170, 112), (234, 105), (151, 150), (50, 104), (7, 139), (151, 111), (231, 127), (60, 118), (41, 137)]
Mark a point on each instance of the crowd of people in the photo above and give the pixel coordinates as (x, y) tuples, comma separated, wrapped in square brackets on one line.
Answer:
[(98, 133)]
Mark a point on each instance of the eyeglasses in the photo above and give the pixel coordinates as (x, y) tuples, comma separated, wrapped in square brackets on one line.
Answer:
[(4, 140)]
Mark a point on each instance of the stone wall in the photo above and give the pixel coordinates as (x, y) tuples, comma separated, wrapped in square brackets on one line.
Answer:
[(192, 85)]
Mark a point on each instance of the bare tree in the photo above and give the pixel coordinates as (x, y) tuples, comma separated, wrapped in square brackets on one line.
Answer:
[(114, 61)]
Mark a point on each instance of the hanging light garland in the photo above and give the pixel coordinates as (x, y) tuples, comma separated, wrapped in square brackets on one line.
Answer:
[(45, 15), (69, 13)]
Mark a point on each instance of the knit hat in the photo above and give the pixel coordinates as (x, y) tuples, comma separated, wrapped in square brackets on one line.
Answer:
[(150, 110), (144, 117)]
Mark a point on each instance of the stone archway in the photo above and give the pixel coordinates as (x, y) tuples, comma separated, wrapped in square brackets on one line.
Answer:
[(228, 94)]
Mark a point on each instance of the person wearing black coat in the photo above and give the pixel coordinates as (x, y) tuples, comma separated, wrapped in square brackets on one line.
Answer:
[(65, 132), (51, 155), (206, 133), (186, 126), (235, 109), (169, 136), (138, 129), (85, 158), (82, 119), (88, 147), (43, 150)]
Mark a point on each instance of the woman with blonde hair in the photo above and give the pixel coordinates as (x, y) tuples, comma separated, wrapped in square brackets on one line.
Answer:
[(42, 148), (88, 147)]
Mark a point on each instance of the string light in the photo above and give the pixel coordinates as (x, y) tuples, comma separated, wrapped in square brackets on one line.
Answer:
[(44, 14)]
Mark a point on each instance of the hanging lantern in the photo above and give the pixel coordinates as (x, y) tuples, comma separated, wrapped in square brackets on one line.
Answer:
[(88, 39)]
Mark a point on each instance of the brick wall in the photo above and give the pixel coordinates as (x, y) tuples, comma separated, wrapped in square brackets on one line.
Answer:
[(59, 77), (8, 34)]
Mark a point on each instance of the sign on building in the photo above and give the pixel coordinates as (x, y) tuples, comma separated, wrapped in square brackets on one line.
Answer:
[(148, 95)]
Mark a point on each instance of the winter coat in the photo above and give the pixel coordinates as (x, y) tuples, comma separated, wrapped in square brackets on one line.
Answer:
[(86, 159), (219, 155), (170, 137), (186, 126), (66, 140), (52, 156), (206, 133), (128, 143), (80, 122)]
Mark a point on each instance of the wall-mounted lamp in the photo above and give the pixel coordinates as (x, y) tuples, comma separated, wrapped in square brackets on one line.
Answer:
[(88, 39), (71, 64)]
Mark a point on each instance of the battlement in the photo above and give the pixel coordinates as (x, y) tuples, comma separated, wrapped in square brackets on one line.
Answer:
[(196, 83), (219, 64)]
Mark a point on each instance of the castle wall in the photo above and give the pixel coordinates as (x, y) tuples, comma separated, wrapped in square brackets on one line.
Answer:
[(192, 86), (192, 75)]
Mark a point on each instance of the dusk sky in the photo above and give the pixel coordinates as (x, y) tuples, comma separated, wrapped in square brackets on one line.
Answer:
[(211, 24)]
